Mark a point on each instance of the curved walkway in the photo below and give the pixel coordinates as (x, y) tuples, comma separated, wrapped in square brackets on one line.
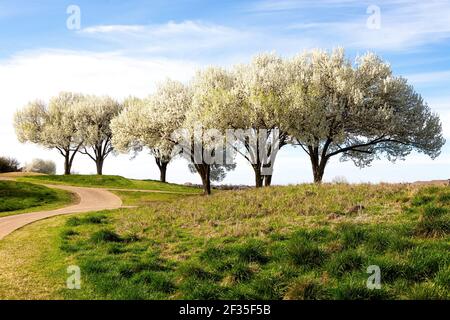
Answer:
[(90, 199)]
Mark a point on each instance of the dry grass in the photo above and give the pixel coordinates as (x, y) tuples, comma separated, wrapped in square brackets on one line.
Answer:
[(278, 209), (19, 174)]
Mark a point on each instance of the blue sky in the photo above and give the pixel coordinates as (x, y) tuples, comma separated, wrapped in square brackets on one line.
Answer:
[(125, 47)]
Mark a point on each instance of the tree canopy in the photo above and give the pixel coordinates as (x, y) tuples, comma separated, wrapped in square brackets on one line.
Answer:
[(149, 123), (93, 116), (52, 125), (324, 102), (359, 110)]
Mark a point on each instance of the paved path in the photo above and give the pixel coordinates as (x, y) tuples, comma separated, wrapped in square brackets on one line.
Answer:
[(90, 199)]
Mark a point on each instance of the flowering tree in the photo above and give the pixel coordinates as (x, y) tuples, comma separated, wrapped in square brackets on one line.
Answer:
[(359, 111), (149, 123), (203, 141), (250, 100), (94, 115), (53, 126), (260, 86), (128, 128)]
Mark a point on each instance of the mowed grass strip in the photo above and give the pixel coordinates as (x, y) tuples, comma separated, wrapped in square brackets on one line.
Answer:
[(105, 181), (20, 197), (298, 242), (32, 266)]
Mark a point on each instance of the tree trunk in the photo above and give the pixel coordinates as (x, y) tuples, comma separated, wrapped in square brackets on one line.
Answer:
[(99, 164), (162, 171), (162, 165), (258, 177), (204, 170), (319, 169), (318, 174), (267, 180), (206, 184), (67, 164)]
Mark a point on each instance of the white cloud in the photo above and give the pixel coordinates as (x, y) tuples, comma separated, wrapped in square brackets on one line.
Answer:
[(169, 28), (441, 105), (113, 28), (445, 119), (429, 78), (404, 24), (171, 38), (41, 73), (206, 43), (286, 5)]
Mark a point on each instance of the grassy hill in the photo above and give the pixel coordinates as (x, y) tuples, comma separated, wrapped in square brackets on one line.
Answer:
[(19, 197), (105, 181), (296, 242)]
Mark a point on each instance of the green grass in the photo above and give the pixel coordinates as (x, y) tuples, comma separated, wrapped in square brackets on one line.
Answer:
[(20, 197), (297, 242), (32, 264), (105, 181), (131, 198)]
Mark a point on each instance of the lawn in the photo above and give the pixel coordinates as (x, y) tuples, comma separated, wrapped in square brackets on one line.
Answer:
[(131, 198), (20, 197), (31, 264), (296, 242), (105, 181)]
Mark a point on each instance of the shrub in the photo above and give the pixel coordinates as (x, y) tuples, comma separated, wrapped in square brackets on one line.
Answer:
[(41, 166), (9, 165), (339, 180)]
